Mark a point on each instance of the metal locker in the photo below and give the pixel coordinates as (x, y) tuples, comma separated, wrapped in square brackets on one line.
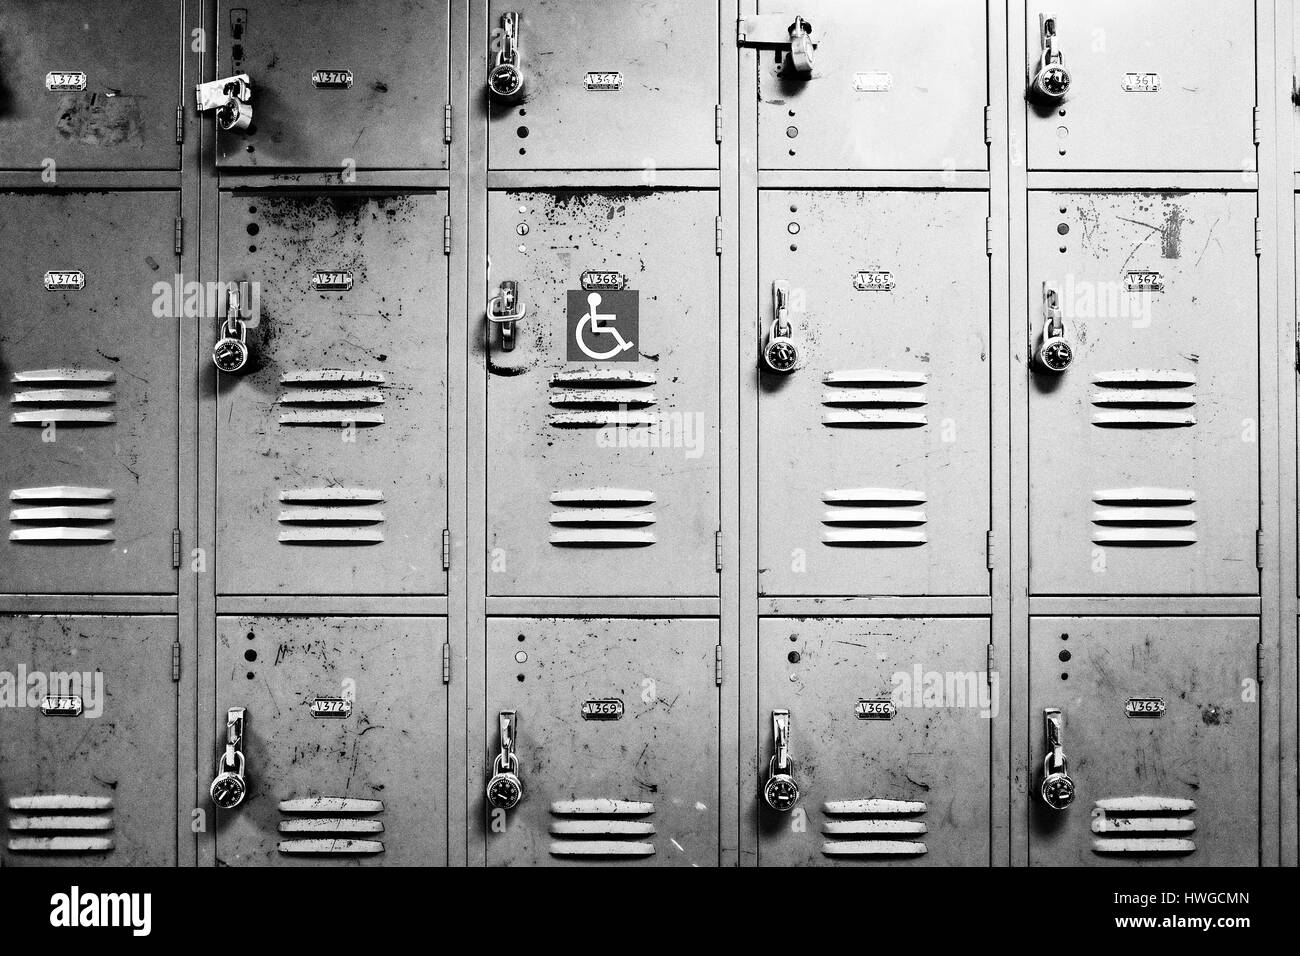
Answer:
[(320, 87), (602, 340), (332, 443), (874, 445), (601, 742), (88, 358), (330, 742), (88, 85), (1145, 740), (88, 741), (885, 727), (888, 86), (1104, 92), (1143, 450), (593, 84)]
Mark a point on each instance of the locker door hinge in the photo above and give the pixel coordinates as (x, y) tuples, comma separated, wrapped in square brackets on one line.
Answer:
[(176, 547), (1255, 119), (176, 661), (446, 663), (178, 235), (988, 125), (717, 234), (717, 665), (990, 665), (446, 123), (717, 550), (1259, 238), (446, 235), (446, 549), (1259, 663), (1259, 548), (988, 550), (180, 125), (717, 123), (988, 235)]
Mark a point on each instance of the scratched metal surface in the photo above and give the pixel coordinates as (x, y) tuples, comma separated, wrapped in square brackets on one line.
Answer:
[(1205, 748), (122, 749)]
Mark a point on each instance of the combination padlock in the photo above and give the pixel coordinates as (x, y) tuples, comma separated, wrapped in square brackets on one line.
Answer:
[(1057, 787), (230, 353), (801, 47), (505, 79), (780, 351), (1054, 352), (1051, 80), (231, 100), (781, 790), (230, 787), (505, 789)]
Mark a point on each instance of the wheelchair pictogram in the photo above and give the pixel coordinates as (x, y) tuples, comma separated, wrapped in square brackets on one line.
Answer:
[(602, 326)]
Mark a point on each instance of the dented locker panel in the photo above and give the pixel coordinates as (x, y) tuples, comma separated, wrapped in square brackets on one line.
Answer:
[(874, 450), (1160, 732), (334, 90), (1152, 86), (89, 85), (331, 446), (88, 361), (1144, 455), (606, 85), (890, 722), (616, 741), (603, 473), (892, 86), (345, 741), (87, 741)]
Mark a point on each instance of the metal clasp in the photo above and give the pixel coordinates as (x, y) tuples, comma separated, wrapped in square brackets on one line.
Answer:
[(229, 788), (505, 789), (506, 78), (232, 98), (505, 310), (1051, 79), (1054, 352), (780, 352), (1057, 788), (781, 791)]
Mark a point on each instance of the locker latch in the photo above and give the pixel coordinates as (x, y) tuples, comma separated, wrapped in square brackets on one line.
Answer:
[(1054, 352), (505, 789), (230, 353), (505, 310), (1057, 788), (229, 788), (781, 791), (780, 353), (232, 98), (794, 42), (506, 79), (1051, 80)]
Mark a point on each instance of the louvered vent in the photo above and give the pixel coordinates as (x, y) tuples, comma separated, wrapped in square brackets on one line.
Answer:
[(601, 828), (1143, 826), (873, 827), (603, 517), (874, 517), (64, 396), (595, 398), (329, 396), (874, 398), (331, 516), (60, 823), (331, 826), (1143, 398), (1144, 517), (61, 513)]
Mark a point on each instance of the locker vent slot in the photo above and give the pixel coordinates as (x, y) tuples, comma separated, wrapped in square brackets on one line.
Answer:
[(603, 518), (331, 826), (873, 518), (1143, 398), (332, 397), (331, 516), (599, 398), (61, 513), (60, 823), (601, 828), (873, 827), (874, 398), (1144, 517), (1143, 826), (63, 396)]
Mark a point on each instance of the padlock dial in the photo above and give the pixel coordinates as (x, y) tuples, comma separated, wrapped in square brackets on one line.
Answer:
[(1057, 791), (230, 355), (781, 793), (228, 790), (1053, 81), (504, 791), (1056, 355), (506, 81), (781, 355)]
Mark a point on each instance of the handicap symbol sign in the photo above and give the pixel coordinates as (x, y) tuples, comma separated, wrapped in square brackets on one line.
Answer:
[(604, 326)]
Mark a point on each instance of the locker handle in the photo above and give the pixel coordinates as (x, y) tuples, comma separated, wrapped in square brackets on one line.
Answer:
[(794, 42), (1054, 353), (1057, 787), (229, 788), (504, 788), (231, 98), (230, 353), (1051, 80), (780, 351), (781, 791), (506, 78), (505, 310)]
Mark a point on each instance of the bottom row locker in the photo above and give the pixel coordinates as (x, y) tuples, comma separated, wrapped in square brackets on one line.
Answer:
[(330, 741)]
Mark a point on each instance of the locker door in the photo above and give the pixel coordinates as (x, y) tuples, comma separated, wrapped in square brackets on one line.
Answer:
[(344, 741), (331, 445), (89, 85), (88, 358), (614, 741), (1153, 85), (602, 431), (88, 741), (893, 86), (1143, 452), (889, 726), (1160, 734), (605, 85), (334, 90), (874, 450)]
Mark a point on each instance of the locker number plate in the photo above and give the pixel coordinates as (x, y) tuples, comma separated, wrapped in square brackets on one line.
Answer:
[(1145, 707), (1141, 83), (876, 709), (609, 708)]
